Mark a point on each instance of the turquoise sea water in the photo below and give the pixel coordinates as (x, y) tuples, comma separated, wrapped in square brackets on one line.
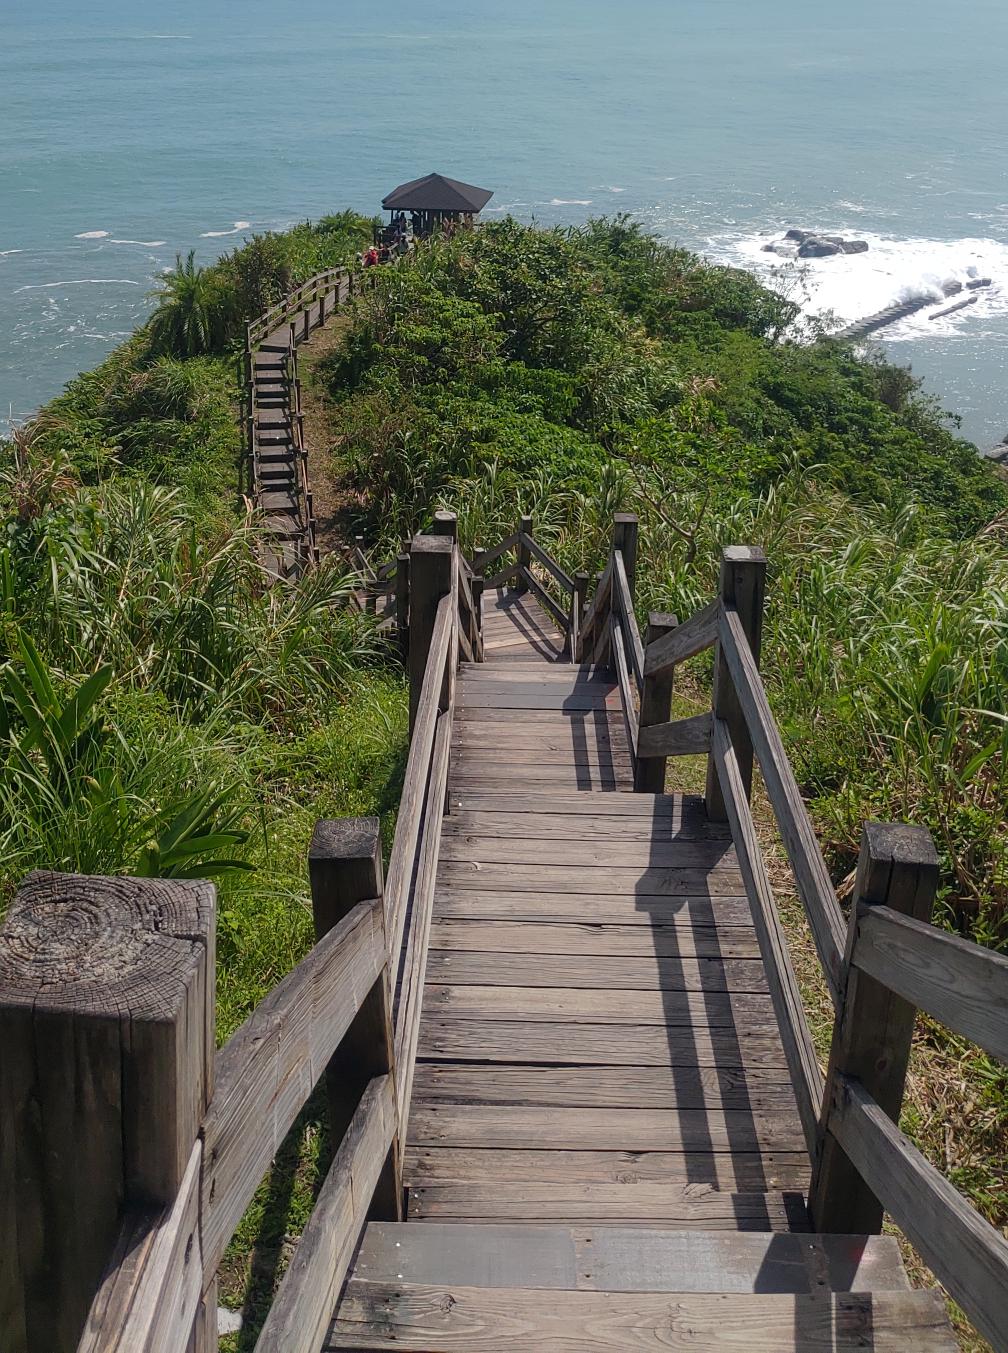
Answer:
[(133, 131)]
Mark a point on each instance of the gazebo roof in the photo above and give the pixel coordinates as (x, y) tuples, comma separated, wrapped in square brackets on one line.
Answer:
[(434, 192)]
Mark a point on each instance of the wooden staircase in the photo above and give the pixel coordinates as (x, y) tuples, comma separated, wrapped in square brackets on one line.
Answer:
[(603, 1148)]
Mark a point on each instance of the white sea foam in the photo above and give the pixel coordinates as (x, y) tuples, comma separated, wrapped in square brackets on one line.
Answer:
[(853, 286), (570, 201), (616, 190), (219, 234), (147, 244), (6, 253), (92, 235), (79, 282)]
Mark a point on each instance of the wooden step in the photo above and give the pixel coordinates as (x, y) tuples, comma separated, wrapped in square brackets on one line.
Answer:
[(423, 1318), (626, 1259)]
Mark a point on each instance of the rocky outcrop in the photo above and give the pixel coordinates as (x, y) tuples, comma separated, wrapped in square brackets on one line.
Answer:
[(814, 244)]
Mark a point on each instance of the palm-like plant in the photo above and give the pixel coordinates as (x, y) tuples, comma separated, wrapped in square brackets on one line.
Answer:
[(193, 314)]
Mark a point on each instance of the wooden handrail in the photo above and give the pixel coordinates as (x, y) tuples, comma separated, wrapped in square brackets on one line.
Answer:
[(547, 561), (685, 641), (963, 985), (811, 875), (628, 620)]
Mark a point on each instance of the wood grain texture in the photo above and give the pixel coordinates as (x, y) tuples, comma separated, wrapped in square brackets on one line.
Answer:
[(469, 899), (681, 937), (685, 641), (634, 1006), (420, 1319), (672, 974)]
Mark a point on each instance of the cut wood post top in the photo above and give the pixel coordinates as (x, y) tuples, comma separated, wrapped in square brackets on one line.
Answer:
[(344, 867), (74, 942), (445, 523), (429, 543), (625, 531), (897, 867)]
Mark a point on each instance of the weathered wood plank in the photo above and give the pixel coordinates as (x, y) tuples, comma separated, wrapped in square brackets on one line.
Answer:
[(615, 1259), (472, 901), (149, 1297), (682, 938), (963, 985), (582, 1128), (686, 640), (631, 884), (680, 737), (678, 811), (811, 875), (966, 1253), (417, 1319), (779, 1170), (626, 693), (675, 1206), (796, 1037), (537, 1000), (609, 852), (618, 1087), (641, 975), (267, 1070), (302, 1309), (578, 1044), (634, 648)]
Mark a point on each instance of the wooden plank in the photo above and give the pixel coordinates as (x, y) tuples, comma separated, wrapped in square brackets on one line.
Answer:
[(578, 1044), (418, 1319), (633, 648), (685, 641), (963, 985), (605, 716), (617, 1259), (415, 958), (545, 822), (598, 1087), (811, 875), (267, 1069), (681, 939), (796, 1038), (680, 737), (543, 779), (483, 697), (779, 1170), (583, 1128), (625, 689), (676, 1206), (491, 556), (537, 1000), (645, 975), (548, 562), (705, 855), (630, 883), (677, 810), (411, 803), (966, 1253), (149, 1297), (599, 606), (303, 1306), (473, 901)]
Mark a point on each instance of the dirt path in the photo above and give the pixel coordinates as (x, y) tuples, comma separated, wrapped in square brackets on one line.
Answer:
[(328, 501)]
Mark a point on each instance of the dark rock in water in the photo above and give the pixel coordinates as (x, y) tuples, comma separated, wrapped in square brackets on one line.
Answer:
[(975, 285), (818, 246), (855, 246), (951, 288), (799, 236)]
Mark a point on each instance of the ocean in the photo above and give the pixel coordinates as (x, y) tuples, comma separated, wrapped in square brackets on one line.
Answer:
[(132, 132)]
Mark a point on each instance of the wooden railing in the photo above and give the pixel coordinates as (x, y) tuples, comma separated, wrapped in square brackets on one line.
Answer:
[(520, 562), (879, 967), (130, 1150), (295, 308)]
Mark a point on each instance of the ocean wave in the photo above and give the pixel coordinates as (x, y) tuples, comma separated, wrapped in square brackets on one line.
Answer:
[(92, 235), (147, 244), (854, 286), (6, 253), (219, 234), (570, 201), (79, 282)]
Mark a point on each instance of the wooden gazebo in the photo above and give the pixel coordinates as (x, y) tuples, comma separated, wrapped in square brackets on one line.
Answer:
[(434, 199)]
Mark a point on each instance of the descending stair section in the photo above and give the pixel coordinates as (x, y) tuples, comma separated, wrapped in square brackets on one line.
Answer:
[(603, 1149)]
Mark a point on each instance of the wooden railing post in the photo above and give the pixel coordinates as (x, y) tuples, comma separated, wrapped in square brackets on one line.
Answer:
[(742, 585), (655, 707), (402, 604), (476, 584), (897, 868), (445, 523), (106, 1070), (430, 580), (524, 555), (344, 868), (625, 530)]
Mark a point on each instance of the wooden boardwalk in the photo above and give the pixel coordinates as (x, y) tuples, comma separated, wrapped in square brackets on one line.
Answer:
[(601, 1103)]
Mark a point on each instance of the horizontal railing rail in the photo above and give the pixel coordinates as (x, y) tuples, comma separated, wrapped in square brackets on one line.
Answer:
[(549, 582)]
